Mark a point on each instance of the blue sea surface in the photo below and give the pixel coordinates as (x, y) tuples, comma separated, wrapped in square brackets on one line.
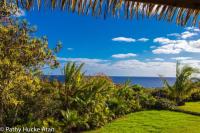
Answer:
[(149, 82)]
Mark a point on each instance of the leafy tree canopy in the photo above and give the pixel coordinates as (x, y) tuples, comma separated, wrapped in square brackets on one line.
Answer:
[(22, 55)]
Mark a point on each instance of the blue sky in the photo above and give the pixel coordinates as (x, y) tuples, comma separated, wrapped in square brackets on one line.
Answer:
[(118, 47)]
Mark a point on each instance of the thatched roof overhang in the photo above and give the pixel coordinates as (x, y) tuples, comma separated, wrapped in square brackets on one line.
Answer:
[(183, 12)]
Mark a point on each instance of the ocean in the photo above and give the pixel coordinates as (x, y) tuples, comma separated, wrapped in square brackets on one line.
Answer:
[(148, 82)]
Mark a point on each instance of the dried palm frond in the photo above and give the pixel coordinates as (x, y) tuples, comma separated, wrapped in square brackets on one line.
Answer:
[(182, 11)]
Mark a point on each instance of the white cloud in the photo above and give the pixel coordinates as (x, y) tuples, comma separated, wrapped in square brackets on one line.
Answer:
[(181, 58), (121, 56), (123, 39), (153, 47), (195, 43), (70, 49), (154, 59), (158, 59), (139, 68), (193, 29), (143, 39), (174, 34), (163, 40), (167, 49), (81, 60), (192, 63), (187, 34), (126, 39), (183, 42), (176, 46), (129, 67), (122, 67)]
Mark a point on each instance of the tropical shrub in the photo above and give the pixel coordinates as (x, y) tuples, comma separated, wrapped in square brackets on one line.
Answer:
[(147, 101), (163, 103), (160, 93), (124, 100), (83, 100), (73, 121), (195, 96), (183, 85)]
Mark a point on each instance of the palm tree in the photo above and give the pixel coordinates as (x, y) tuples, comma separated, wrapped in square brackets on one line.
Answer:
[(183, 84), (183, 11), (73, 79)]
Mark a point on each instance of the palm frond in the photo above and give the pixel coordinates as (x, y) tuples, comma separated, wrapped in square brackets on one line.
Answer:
[(182, 11), (183, 85), (166, 84), (73, 73)]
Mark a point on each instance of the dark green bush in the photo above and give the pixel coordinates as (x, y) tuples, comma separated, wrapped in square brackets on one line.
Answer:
[(137, 88), (160, 93), (163, 103), (195, 96), (147, 101), (124, 100)]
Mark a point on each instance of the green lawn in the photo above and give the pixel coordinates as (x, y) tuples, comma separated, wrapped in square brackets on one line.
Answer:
[(191, 106), (153, 121)]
